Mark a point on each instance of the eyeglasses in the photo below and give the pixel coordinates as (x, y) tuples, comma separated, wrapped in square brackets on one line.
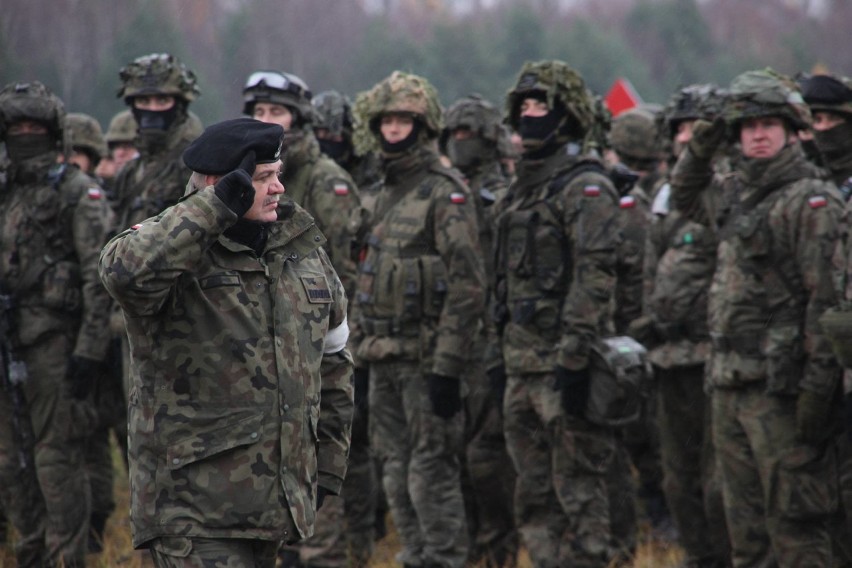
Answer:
[(276, 80)]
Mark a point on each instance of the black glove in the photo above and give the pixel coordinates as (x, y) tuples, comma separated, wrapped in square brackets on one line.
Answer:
[(573, 387), (81, 374), (707, 137), (322, 492), (847, 415), (497, 379), (445, 394), (813, 414), (360, 421), (235, 188)]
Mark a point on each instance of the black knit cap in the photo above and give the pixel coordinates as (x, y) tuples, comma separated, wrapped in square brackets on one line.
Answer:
[(825, 89), (222, 146)]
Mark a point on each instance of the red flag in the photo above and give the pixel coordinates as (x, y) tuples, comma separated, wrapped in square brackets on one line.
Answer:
[(621, 97)]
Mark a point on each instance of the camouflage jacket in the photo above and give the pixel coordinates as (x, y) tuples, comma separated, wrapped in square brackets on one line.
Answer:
[(557, 243), (777, 226), (679, 262), (326, 191), (421, 284), (241, 402), (153, 181), (54, 220), (488, 186)]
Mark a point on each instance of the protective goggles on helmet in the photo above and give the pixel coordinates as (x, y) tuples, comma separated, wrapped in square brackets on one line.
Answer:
[(276, 80)]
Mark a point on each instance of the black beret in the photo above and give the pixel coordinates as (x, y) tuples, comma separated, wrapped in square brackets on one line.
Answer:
[(824, 89), (222, 146)]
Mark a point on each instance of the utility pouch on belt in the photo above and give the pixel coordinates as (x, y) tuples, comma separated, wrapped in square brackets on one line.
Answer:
[(620, 375)]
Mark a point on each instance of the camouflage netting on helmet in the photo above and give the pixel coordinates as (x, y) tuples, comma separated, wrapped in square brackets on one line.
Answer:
[(765, 93), (698, 101), (829, 93), (157, 74), (333, 113), (634, 135), (32, 101), (401, 92), (597, 137), (475, 114), (122, 128), (559, 83), (84, 132)]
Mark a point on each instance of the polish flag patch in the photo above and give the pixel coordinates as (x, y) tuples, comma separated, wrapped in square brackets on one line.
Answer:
[(95, 193), (136, 226), (592, 190), (627, 202), (341, 189), (458, 198), (817, 201)]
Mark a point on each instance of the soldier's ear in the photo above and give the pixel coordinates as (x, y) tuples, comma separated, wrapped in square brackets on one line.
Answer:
[(210, 179)]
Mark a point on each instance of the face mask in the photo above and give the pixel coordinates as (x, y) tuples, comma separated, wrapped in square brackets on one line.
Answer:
[(834, 143), (155, 119), (337, 151), (26, 146), (465, 154), (405, 144), (538, 132)]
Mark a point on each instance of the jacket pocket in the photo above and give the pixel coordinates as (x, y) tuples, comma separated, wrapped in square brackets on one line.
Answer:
[(785, 359), (807, 483), (203, 445), (61, 286)]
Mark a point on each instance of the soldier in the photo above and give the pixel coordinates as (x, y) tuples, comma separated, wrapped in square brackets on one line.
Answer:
[(233, 452), (555, 264), (471, 138), (680, 258), (86, 142), (53, 222), (771, 372), (120, 137), (312, 179), (419, 306)]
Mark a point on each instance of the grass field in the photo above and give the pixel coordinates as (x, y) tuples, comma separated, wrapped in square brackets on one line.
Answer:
[(118, 552)]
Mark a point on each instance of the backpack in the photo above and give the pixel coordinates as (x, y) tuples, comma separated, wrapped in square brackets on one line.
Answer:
[(620, 381)]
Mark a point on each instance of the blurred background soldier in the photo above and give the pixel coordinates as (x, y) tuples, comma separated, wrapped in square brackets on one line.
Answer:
[(53, 223), (470, 139), (680, 258), (773, 378), (120, 137), (317, 183), (555, 265), (419, 306), (85, 139)]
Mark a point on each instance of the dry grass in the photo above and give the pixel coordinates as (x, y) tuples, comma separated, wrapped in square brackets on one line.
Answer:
[(118, 551)]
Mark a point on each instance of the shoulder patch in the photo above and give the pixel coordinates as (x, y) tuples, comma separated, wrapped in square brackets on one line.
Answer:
[(817, 201), (95, 193), (591, 190), (341, 188), (458, 198), (135, 227), (627, 202)]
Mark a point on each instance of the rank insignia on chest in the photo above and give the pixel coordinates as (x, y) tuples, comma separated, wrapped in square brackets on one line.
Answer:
[(341, 189), (627, 202), (817, 201), (458, 198), (94, 193), (591, 190)]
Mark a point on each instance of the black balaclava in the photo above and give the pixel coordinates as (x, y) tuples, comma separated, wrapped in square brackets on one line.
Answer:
[(403, 145), (23, 147)]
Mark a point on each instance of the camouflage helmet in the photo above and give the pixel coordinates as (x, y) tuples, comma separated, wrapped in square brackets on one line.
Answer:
[(634, 135), (279, 88), (828, 93), (122, 128), (333, 113), (698, 101), (84, 132), (401, 92), (32, 101), (157, 74), (560, 84), (765, 93), (475, 114)]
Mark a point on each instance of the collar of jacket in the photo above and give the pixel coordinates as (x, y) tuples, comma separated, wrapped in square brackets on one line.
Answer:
[(787, 166), (402, 170), (304, 149)]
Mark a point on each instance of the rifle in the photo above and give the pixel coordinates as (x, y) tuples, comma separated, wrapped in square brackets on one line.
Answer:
[(13, 373)]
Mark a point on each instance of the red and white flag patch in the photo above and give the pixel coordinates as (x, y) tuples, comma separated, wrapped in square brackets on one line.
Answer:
[(817, 201), (135, 227), (627, 202), (95, 193), (592, 190), (458, 198), (341, 189)]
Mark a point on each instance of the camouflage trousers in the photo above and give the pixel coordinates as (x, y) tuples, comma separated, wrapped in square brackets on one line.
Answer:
[(841, 528), (344, 530), (690, 477), (488, 484), (421, 470), (50, 506), (779, 493), (562, 501), (183, 552), (621, 486)]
